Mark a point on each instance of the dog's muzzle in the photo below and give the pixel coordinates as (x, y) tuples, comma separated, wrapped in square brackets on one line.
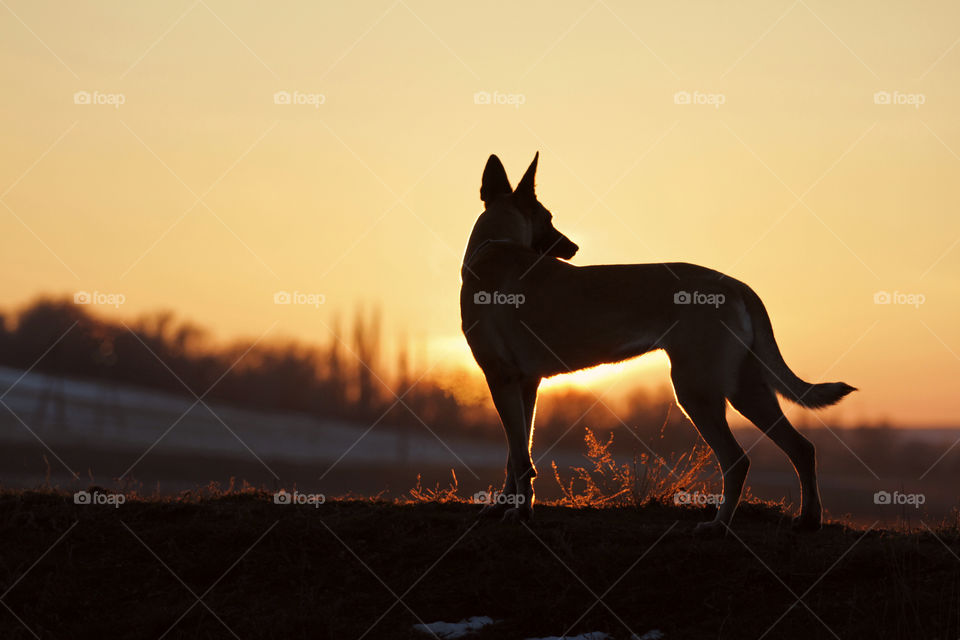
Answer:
[(565, 249)]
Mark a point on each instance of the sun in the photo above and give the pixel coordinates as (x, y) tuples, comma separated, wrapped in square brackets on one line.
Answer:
[(619, 376), (649, 369)]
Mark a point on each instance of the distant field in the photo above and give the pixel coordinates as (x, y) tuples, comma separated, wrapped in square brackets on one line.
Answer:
[(336, 571), (120, 436)]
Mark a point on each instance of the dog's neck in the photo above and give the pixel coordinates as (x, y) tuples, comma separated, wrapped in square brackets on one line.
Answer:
[(497, 225), (467, 261)]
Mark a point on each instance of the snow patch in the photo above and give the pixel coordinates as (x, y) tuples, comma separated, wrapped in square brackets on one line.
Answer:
[(593, 635), (654, 634), (446, 630)]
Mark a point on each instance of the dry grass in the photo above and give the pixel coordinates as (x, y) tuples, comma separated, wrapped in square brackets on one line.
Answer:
[(648, 478), (437, 494)]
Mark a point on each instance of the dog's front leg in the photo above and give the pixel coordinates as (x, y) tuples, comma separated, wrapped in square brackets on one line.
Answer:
[(515, 401), (500, 503)]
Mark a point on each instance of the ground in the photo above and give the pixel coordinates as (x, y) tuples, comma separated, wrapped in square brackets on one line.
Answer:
[(238, 565)]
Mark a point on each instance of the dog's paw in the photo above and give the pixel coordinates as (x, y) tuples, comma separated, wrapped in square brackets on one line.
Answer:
[(518, 514), (711, 529), (806, 525), (492, 510)]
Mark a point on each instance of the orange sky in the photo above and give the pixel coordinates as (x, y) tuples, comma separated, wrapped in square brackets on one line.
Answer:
[(189, 187)]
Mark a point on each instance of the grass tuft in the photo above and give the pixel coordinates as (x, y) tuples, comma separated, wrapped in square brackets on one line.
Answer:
[(648, 478)]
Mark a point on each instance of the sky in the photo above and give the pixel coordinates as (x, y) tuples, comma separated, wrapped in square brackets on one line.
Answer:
[(202, 156)]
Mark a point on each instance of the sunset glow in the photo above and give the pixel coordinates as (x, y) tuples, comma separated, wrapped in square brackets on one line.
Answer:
[(204, 157)]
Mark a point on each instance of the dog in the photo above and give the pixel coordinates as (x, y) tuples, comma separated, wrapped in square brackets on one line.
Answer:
[(527, 314)]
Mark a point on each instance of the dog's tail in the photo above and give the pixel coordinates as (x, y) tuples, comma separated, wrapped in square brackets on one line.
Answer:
[(775, 370)]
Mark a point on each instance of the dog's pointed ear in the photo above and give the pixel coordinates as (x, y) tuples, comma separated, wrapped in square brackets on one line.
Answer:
[(494, 182), (526, 188)]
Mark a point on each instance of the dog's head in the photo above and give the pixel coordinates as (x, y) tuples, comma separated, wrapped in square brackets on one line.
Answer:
[(530, 223)]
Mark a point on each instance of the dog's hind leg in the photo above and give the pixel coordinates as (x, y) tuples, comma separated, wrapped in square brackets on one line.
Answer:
[(757, 402), (515, 403), (705, 405)]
